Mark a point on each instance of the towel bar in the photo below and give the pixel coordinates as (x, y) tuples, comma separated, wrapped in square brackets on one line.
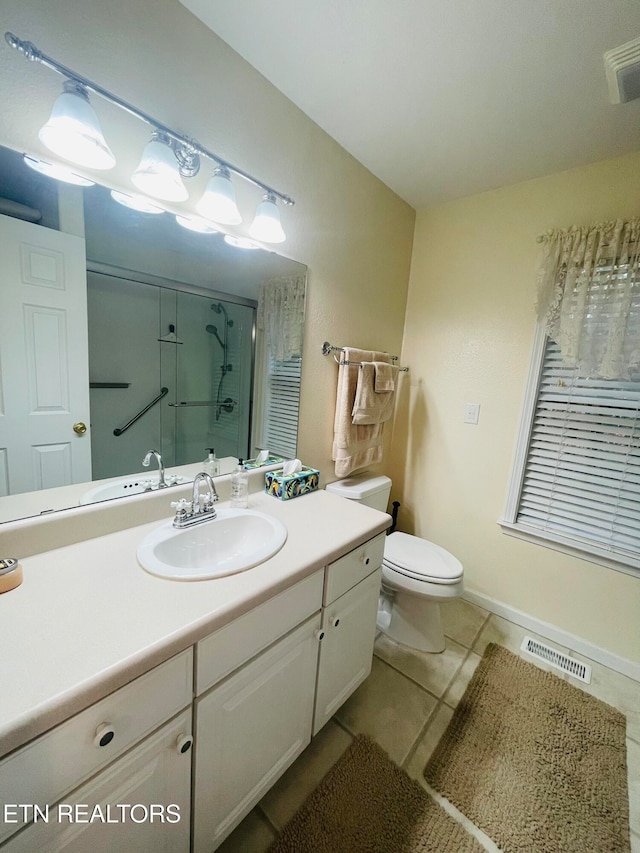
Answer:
[(328, 348)]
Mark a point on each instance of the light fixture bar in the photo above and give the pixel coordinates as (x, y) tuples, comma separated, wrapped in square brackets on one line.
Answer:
[(188, 147)]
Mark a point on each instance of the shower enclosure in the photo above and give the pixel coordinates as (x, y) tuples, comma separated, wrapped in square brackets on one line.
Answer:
[(169, 368)]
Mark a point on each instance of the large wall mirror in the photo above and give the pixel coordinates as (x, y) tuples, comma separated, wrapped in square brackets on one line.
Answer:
[(122, 331)]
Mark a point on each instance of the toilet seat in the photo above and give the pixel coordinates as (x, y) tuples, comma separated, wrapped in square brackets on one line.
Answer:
[(420, 560)]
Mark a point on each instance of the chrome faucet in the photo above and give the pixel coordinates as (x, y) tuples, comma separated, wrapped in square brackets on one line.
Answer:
[(162, 484), (192, 512)]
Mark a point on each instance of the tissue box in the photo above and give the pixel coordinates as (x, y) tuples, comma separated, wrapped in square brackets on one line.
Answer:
[(293, 485), (270, 460)]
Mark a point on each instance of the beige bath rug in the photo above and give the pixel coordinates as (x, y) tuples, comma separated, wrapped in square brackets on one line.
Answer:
[(536, 763), (367, 804)]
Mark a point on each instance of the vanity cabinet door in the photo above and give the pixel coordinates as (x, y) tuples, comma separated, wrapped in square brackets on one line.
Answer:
[(249, 729), (346, 649), (156, 773)]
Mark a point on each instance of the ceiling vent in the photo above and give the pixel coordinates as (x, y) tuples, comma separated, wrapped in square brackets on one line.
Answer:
[(622, 65)]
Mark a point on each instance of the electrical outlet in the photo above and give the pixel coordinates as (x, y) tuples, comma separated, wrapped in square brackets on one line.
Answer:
[(471, 413)]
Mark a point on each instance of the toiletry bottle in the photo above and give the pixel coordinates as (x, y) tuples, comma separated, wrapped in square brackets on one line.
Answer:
[(211, 464), (240, 487)]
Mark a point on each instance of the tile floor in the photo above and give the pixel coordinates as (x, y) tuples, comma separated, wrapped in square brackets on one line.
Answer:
[(406, 704)]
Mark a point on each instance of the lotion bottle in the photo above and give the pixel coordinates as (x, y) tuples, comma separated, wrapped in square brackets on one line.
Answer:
[(240, 487), (211, 465)]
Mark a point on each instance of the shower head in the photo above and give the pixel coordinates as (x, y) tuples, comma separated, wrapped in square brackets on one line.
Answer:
[(219, 308), (213, 330)]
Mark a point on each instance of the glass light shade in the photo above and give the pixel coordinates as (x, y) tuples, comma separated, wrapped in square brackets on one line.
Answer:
[(200, 226), (266, 226), (136, 202), (240, 242), (158, 174), (56, 171), (219, 200), (73, 131)]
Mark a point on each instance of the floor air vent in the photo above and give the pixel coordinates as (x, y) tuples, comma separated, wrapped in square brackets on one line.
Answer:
[(556, 659)]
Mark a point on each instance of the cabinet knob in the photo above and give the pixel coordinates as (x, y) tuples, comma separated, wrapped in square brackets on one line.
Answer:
[(366, 560), (184, 743), (318, 634), (334, 621), (105, 733)]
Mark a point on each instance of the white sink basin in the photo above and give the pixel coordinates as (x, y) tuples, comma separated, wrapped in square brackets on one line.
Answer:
[(236, 540), (118, 489), (135, 485)]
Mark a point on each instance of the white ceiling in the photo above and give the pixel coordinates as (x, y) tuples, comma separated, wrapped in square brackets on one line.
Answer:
[(445, 98)]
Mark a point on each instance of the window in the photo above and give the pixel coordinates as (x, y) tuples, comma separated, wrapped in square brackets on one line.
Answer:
[(279, 364), (282, 405), (576, 478)]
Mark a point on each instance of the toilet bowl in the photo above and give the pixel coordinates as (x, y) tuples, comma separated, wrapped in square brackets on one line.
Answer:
[(416, 574)]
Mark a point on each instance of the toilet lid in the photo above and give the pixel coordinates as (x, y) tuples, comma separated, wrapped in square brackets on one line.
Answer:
[(420, 559)]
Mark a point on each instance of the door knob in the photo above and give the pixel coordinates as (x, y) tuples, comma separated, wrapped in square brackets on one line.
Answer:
[(79, 428)]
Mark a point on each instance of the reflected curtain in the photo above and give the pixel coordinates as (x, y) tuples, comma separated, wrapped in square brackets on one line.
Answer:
[(281, 315), (589, 296)]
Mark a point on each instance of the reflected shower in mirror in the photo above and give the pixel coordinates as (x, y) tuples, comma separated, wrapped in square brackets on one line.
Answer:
[(123, 332)]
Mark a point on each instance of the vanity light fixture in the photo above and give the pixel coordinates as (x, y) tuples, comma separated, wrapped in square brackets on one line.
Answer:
[(219, 200), (193, 223), (56, 171), (240, 242), (158, 174), (73, 132), (136, 202), (266, 226)]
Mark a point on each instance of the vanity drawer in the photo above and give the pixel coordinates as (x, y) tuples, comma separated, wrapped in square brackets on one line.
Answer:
[(349, 570), (49, 767), (227, 649)]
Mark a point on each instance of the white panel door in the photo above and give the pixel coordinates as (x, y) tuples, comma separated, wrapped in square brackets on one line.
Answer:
[(44, 362), (346, 650), (249, 729)]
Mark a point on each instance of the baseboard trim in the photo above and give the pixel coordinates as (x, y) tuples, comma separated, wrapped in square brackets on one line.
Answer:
[(551, 632)]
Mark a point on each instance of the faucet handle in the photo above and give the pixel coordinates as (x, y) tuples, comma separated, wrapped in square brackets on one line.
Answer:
[(181, 506)]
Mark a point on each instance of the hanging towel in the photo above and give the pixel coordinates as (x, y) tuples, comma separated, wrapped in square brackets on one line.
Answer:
[(371, 406), (385, 376), (354, 445)]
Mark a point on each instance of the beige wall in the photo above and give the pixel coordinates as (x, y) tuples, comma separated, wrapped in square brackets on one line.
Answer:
[(468, 336), (354, 234), (469, 319)]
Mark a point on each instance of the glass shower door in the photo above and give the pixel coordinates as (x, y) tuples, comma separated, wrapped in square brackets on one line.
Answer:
[(213, 377)]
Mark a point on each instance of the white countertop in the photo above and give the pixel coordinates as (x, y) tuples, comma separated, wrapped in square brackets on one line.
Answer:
[(87, 618)]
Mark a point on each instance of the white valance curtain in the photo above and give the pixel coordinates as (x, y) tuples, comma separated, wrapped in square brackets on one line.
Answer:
[(589, 297), (281, 315)]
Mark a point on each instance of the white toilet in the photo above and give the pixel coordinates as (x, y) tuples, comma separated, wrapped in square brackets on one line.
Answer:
[(416, 574)]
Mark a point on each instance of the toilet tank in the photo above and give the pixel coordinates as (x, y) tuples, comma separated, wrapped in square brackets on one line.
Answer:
[(370, 489)]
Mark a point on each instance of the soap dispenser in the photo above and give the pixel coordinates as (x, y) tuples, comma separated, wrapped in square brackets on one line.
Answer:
[(240, 487), (211, 464)]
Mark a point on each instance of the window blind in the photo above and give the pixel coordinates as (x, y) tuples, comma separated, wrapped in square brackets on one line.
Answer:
[(282, 406), (582, 471)]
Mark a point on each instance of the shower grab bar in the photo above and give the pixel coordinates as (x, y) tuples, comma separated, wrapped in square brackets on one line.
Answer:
[(193, 403), (163, 393)]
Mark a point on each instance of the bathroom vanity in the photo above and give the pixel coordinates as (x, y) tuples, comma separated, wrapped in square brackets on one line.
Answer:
[(121, 688)]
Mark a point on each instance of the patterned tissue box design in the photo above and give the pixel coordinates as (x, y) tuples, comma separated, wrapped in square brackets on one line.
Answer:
[(292, 486), (271, 460)]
